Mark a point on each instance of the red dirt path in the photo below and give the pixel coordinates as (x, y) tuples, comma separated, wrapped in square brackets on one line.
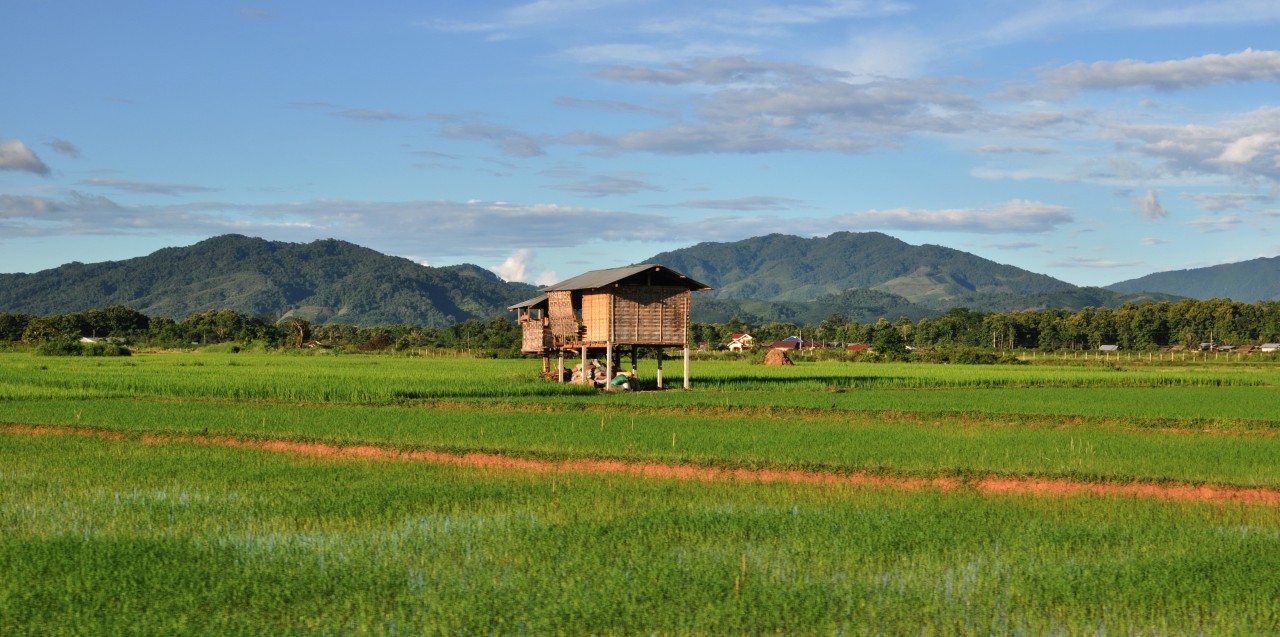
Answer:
[(989, 484)]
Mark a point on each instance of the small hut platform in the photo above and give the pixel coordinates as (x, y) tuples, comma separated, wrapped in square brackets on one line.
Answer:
[(632, 307)]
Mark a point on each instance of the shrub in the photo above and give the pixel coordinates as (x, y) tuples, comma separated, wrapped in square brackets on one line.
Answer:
[(105, 349), (59, 347), (71, 347), (968, 356)]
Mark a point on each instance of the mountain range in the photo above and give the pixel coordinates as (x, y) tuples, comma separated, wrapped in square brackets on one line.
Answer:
[(1247, 281), (780, 267), (864, 276), (323, 281)]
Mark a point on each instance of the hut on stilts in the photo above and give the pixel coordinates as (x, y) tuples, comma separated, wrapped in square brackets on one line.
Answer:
[(596, 312)]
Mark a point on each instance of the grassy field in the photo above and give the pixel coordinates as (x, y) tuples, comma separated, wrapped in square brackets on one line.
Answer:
[(147, 525)]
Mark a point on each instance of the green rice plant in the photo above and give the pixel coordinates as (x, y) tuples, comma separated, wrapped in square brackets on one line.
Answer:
[(923, 445), (982, 423), (115, 537), (362, 379), (143, 536)]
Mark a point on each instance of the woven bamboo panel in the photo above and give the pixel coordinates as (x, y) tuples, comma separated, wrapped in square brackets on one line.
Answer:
[(597, 312), (564, 325), (536, 336)]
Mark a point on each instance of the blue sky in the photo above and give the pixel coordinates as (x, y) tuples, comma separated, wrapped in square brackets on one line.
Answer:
[(1090, 140)]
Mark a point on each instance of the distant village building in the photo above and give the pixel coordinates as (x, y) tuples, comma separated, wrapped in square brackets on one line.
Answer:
[(91, 340), (739, 342), (599, 311), (1269, 347), (1108, 348), (794, 343)]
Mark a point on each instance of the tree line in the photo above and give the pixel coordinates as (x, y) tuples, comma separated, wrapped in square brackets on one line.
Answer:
[(1147, 326), (120, 323), (1186, 323)]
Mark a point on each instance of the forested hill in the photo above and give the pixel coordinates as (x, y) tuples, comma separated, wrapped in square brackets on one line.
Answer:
[(862, 276), (1246, 281), (781, 267), (323, 281)]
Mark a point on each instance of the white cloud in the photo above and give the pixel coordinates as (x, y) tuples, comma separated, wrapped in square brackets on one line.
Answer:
[(1027, 21), (604, 185), (1013, 245), (510, 140), (476, 229), (1017, 216), (538, 14), (723, 70), (370, 114), (636, 53), (1018, 174), (141, 187), (1149, 206), (64, 147), (1247, 145), (513, 269), (1006, 149), (1244, 150), (613, 105), (1219, 201), (546, 11), (1247, 66), (15, 155), (710, 20), (439, 228), (1197, 13), (1093, 262), (880, 55), (755, 203), (1209, 225), (19, 206), (740, 105)]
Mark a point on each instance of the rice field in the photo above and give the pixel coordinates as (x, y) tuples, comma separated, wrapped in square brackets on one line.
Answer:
[(126, 509)]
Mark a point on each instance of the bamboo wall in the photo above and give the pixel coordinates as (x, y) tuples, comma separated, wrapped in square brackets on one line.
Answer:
[(597, 311), (645, 315), (627, 314), (564, 324), (536, 335)]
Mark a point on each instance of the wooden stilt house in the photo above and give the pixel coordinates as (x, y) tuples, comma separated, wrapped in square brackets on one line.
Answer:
[(631, 307)]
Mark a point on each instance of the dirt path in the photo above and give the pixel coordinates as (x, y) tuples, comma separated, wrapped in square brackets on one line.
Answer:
[(989, 484)]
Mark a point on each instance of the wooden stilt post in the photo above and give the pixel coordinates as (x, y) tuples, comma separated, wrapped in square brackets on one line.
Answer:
[(634, 383), (659, 368), (560, 368), (585, 379), (608, 361), (546, 363), (686, 366)]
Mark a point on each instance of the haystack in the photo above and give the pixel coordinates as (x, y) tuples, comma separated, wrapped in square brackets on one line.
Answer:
[(777, 357)]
